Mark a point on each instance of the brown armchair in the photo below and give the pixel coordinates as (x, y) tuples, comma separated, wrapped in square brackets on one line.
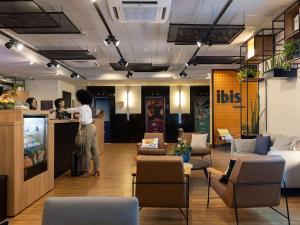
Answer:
[(162, 146), (255, 181), (160, 181), (187, 137)]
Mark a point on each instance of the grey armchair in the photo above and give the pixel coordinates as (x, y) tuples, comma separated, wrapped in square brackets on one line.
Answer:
[(91, 210), (255, 182)]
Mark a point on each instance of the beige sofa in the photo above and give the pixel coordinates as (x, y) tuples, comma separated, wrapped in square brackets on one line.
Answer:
[(284, 146)]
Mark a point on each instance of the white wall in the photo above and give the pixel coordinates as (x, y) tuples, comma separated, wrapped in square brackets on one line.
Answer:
[(64, 86), (283, 106), (42, 89), (48, 89)]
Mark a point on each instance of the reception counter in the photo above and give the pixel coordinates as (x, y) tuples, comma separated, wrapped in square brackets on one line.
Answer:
[(34, 150), (64, 135)]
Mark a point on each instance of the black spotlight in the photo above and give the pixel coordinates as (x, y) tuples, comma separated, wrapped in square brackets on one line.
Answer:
[(129, 74), (9, 44), (108, 40), (111, 39), (75, 76), (53, 63), (182, 74), (123, 62)]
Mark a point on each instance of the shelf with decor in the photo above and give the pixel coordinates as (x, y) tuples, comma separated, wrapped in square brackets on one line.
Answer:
[(291, 22)]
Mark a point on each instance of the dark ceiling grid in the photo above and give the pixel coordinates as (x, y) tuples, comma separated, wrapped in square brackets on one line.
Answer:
[(140, 67), (36, 51), (28, 17), (67, 54), (111, 35), (206, 40)]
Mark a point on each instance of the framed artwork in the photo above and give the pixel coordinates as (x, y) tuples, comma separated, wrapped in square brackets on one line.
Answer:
[(202, 115), (155, 114)]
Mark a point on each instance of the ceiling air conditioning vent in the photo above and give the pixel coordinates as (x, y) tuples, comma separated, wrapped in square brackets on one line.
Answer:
[(140, 11)]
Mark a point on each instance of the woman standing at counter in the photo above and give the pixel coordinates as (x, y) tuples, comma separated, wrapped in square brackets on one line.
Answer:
[(90, 146)]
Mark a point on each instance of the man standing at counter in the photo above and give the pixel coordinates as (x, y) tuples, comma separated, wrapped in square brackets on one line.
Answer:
[(90, 146)]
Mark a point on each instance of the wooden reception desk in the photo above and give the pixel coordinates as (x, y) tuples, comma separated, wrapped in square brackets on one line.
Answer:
[(26, 183)]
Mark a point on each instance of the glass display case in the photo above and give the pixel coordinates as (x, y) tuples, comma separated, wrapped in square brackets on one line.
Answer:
[(35, 145)]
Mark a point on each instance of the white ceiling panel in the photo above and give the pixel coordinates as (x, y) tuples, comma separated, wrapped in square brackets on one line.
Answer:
[(141, 42)]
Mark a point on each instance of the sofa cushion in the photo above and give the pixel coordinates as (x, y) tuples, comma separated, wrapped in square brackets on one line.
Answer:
[(243, 145), (263, 144), (295, 146), (199, 141), (282, 143)]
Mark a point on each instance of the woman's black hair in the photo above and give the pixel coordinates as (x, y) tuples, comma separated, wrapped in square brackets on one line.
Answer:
[(57, 102), (29, 102), (84, 97)]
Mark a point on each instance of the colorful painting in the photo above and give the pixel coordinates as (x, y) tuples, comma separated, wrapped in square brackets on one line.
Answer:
[(202, 115), (155, 115)]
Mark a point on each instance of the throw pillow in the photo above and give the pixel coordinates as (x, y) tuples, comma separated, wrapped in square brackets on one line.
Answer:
[(225, 178), (263, 144), (150, 143), (272, 136), (296, 146), (245, 145), (283, 143), (199, 140)]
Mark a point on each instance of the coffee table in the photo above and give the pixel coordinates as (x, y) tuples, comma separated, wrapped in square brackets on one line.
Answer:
[(199, 164)]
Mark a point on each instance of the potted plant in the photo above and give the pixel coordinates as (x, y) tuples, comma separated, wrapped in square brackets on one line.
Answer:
[(247, 73), (290, 49), (184, 150)]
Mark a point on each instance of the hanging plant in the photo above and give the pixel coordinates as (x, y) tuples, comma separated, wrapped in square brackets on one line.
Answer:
[(290, 49), (247, 73)]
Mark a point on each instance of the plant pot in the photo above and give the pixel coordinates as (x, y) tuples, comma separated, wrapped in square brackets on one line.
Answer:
[(280, 73), (186, 157)]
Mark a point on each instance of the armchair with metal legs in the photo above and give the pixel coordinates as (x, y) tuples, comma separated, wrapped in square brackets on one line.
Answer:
[(254, 182), (160, 181)]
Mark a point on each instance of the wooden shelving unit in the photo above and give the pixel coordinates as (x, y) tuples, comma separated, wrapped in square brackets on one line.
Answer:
[(291, 30)]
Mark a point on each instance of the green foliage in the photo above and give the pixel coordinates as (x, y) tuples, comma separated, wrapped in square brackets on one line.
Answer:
[(290, 48), (277, 62), (255, 116), (281, 60), (181, 148), (247, 73)]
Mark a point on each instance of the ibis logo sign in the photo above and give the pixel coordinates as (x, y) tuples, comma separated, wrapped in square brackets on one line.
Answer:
[(231, 97)]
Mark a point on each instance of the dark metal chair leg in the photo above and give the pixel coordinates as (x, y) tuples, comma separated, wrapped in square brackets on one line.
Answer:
[(208, 192), (235, 206), (287, 203), (205, 172)]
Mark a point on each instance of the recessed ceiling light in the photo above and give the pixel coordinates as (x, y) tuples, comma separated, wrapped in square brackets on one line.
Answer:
[(31, 63), (170, 49), (93, 0)]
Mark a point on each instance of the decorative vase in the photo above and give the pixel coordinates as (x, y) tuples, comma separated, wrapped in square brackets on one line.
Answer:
[(186, 157)]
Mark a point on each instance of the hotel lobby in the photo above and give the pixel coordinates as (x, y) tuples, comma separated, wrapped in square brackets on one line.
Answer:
[(165, 112)]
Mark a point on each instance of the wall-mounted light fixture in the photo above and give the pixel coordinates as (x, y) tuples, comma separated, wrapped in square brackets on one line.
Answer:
[(180, 101), (128, 100)]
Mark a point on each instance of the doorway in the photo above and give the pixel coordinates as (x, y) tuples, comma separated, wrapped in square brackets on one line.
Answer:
[(104, 104)]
